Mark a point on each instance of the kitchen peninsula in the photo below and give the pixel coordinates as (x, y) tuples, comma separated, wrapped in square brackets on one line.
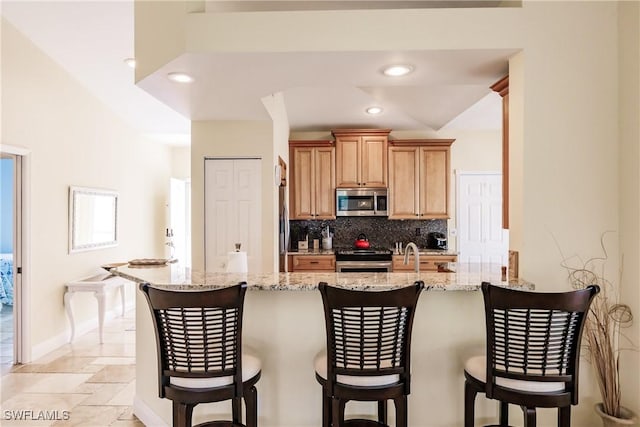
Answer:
[(284, 326)]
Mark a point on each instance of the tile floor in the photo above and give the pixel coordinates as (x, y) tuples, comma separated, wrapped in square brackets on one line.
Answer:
[(81, 384)]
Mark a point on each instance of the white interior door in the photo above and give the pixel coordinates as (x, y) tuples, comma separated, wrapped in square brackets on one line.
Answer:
[(233, 212), (480, 234)]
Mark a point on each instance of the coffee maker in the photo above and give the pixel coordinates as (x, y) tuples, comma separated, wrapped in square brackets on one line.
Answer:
[(437, 240)]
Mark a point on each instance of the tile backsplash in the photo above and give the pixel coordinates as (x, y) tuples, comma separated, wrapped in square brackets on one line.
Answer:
[(381, 232)]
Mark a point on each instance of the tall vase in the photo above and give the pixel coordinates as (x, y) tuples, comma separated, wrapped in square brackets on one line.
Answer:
[(629, 418)]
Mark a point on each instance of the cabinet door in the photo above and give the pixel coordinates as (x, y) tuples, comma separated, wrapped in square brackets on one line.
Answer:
[(325, 179), (373, 161), (348, 161), (313, 263), (302, 185), (427, 262), (434, 182), (403, 182)]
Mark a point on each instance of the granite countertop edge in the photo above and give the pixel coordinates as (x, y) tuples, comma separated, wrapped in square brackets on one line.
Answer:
[(434, 281)]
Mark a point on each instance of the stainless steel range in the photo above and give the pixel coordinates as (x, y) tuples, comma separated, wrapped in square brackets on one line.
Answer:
[(363, 260)]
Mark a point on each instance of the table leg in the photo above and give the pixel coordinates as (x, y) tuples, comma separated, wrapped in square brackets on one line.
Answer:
[(121, 288), (100, 297), (67, 306)]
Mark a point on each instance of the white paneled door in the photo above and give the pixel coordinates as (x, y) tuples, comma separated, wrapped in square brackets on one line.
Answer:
[(233, 212), (480, 234)]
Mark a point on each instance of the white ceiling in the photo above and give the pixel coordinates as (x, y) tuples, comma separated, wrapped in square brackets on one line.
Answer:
[(448, 89)]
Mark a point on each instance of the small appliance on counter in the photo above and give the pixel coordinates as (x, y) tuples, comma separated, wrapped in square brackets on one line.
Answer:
[(437, 240)]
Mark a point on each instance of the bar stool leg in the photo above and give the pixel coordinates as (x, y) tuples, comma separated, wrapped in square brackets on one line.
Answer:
[(401, 411), (251, 402), (337, 411), (504, 414), (382, 412), (182, 413), (564, 416), (529, 417), (326, 410), (236, 410), (469, 403)]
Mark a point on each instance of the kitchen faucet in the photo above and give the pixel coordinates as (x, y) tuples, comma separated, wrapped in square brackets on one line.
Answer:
[(415, 252)]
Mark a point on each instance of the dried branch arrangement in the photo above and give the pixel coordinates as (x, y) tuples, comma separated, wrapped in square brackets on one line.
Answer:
[(602, 331)]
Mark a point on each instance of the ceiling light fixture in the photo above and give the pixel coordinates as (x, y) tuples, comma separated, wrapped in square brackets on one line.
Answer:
[(131, 62), (180, 77), (373, 110), (397, 70)]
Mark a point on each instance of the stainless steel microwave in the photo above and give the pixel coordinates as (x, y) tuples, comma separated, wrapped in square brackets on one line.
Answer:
[(361, 202)]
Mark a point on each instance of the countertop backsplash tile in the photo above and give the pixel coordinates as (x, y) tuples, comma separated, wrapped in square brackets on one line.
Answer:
[(381, 232)]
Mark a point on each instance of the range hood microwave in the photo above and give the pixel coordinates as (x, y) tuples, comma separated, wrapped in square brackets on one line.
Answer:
[(361, 202)]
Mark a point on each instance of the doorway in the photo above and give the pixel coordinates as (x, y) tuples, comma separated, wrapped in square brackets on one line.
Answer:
[(481, 238), (10, 257)]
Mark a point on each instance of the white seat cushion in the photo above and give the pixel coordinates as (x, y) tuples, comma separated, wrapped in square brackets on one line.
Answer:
[(476, 367), (251, 367), (320, 364)]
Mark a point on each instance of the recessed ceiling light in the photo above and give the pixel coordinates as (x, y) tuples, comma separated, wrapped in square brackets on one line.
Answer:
[(397, 70), (180, 77), (373, 110), (131, 62)]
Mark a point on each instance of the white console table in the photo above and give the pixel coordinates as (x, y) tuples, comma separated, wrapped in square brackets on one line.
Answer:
[(98, 285)]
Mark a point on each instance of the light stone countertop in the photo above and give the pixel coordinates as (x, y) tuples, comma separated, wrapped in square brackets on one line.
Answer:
[(463, 277), (423, 251), (313, 252)]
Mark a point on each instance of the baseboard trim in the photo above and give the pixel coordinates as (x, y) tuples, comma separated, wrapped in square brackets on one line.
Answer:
[(59, 340), (146, 415)]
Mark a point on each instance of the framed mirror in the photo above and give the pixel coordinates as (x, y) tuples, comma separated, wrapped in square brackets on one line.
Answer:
[(93, 219)]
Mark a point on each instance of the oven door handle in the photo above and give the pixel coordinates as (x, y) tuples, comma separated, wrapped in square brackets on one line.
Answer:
[(362, 264)]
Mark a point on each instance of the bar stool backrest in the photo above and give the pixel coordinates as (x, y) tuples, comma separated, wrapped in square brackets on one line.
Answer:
[(369, 332), (534, 336), (198, 333)]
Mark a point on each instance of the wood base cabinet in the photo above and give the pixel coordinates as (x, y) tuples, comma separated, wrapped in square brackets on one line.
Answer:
[(427, 262), (419, 173), (312, 263), (361, 157), (312, 178)]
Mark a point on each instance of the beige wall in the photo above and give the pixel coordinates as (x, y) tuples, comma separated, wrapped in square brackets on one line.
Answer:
[(275, 106), (567, 128), (74, 140), (629, 90), (232, 139), (181, 162)]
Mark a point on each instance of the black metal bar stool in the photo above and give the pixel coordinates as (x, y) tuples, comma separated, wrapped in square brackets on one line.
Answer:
[(200, 358), (533, 349), (368, 352)]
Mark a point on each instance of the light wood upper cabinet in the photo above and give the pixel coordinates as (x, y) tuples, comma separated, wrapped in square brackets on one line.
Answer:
[(313, 177), (404, 172), (419, 173), (434, 182), (361, 157)]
